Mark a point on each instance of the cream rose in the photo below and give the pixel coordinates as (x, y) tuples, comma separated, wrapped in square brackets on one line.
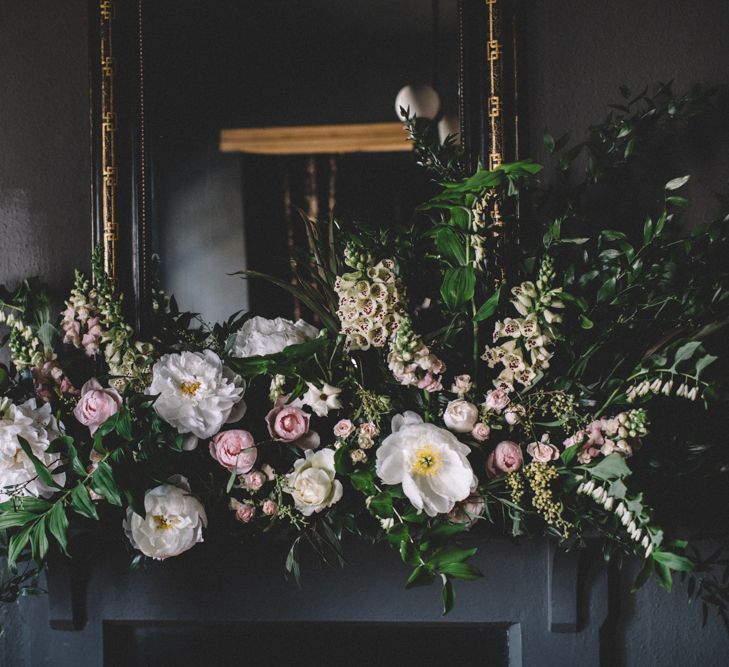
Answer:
[(460, 416), (312, 482), (172, 524)]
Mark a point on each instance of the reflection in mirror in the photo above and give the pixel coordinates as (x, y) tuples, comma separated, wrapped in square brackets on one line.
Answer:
[(244, 103)]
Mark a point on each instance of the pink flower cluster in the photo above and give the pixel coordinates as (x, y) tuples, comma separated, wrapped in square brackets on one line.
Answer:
[(424, 370), (600, 437), (82, 327), (49, 374)]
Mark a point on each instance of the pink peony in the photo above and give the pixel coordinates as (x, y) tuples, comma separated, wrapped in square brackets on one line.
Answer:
[(481, 432), (505, 459), (96, 404), (287, 423), (343, 428), (235, 450), (542, 452)]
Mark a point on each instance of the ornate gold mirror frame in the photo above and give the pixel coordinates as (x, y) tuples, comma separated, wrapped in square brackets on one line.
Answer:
[(489, 104)]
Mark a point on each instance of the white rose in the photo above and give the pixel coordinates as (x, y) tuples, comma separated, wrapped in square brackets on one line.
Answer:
[(460, 416), (173, 522), (38, 428), (260, 336), (197, 394), (428, 461), (312, 483)]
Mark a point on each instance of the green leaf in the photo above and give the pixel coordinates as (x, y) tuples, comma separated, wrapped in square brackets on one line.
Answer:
[(703, 362), (15, 519), (643, 575), (611, 467), (39, 540), (231, 481), (664, 576), (673, 561), (18, 542), (489, 307), (460, 218), (466, 571), (569, 454), (450, 246), (586, 322), (676, 183), (103, 483), (381, 505), (647, 231), (685, 352), (548, 142), (124, 425), (677, 201), (409, 553), (40, 469), (607, 291), (58, 525), (450, 554), (458, 286), (82, 503), (446, 530), (364, 481), (448, 594), (420, 576)]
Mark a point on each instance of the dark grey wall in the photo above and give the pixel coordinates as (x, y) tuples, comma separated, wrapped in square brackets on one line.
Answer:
[(579, 53)]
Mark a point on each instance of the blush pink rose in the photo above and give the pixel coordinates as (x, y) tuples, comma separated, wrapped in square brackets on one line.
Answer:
[(245, 513), (96, 404), (254, 480), (467, 511), (343, 428), (270, 508), (288, 423), (235, 450), (481, 431), (497, 399), (542, 452), (505, 459)]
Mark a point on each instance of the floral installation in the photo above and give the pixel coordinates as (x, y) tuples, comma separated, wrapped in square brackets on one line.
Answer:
[(445, 382)]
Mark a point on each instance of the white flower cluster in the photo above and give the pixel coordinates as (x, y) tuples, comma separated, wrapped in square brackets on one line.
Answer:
[(370, 305), (26, 349), (527, 354), (630, 522), (38, 427), (658, 386), (411, 361)]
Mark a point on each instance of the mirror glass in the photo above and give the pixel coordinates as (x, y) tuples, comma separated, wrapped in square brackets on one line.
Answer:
[(255, 109)]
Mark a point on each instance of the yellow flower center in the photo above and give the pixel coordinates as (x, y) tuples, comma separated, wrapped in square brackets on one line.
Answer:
[(189, 388), (161, 522), (426, 461)]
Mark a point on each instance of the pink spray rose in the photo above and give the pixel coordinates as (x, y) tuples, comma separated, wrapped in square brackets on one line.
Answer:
[(96, 404), (343, 428), (254, 480), (270, 508), (481, 431), (497, 399), (235, 450), (542, 452), (287, 423), (506, 458), (245, 513)]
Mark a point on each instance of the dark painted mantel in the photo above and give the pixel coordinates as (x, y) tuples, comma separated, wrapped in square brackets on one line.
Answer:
[(580, 52)]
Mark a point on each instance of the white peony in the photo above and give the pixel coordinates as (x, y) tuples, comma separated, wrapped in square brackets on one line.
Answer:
[(428, 461), (38, 427), (173, 522), (321, 400), (312, 483), (460, 416), (260, 336), (197, 394)]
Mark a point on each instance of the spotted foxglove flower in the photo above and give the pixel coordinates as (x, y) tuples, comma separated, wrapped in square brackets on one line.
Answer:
[(312, 482), (38, 427), (197, 394), (429, 462), (172, 523), (260, 336)]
